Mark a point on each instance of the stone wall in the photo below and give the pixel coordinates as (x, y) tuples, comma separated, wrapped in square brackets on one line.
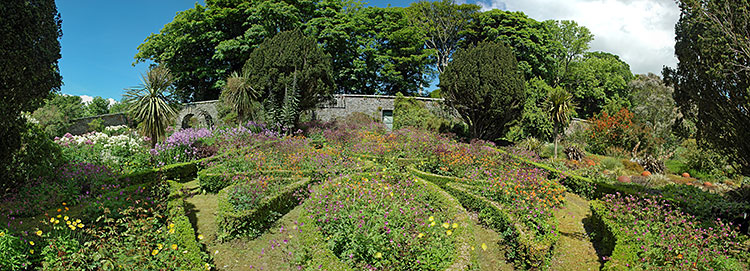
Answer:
[(373, 105), (203, 114), (81, 126)]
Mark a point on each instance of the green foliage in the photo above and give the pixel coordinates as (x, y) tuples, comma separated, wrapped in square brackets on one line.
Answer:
[(239, 96), (250, 207), (530, 40), (484, 86), (535, 121), (97, 106), (531, 144), (29, 73), (96, 125), (442, 23), (55, 116), (560, 107), (150, 104), (14, 254), (570, 42), (119, 107), (37, 157), (700, 159), (597, 79), (409, 112), (611, 163), (712, 77), (292, 74), (652, 104)]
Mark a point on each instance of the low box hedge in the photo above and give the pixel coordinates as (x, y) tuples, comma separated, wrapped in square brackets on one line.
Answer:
[(233, 224), (192, 258)]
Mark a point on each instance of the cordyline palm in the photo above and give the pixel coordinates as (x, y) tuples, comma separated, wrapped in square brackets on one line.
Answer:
[(239, 95), (150, 105), (560, 107)]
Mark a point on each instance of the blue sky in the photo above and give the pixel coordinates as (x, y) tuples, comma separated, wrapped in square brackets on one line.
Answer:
[(100, 37)]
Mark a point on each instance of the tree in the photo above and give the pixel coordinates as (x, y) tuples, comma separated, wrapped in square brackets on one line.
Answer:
[(150, 104), (29, 73), (55, 116), (530, 40), (119, 107), (560, 107), (711, 80), (442, 22), (535, 121), (292, 74), (484, 85), (571, 41), (239, 95), (652, 104), (97, 106), (597, 79)]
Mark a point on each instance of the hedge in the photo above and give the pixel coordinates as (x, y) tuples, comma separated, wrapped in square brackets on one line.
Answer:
[(526, 252), (193, 258), (233, 224), (605, 236)]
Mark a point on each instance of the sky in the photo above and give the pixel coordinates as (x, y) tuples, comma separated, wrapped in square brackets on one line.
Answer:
[(100, 38)]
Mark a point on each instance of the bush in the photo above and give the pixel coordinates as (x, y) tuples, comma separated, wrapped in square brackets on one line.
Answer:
[(410, 112), (483, 84), (14, 255), (703, 160), (531, 144), (611, 163), (38, 158), (618, 134)]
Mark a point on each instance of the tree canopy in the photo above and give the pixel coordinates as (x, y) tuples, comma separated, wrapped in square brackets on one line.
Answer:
[(484, 85), (29, 73), (711, 80), (596, 79)]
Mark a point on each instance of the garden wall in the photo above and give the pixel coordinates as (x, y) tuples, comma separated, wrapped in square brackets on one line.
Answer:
[(81, 126)]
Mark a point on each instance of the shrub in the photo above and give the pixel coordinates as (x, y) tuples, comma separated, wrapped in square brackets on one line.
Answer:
[(38, 158), (483, 84), (14, 254), (699, 159), (531, 144), (409, 112), (611, 163), (618, 134)]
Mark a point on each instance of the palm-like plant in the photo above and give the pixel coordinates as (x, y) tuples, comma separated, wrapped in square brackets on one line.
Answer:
[(239, 95), (560, 107), (150, 104)]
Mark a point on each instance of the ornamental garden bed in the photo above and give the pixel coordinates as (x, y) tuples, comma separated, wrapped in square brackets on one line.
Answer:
[(385, 219), (649, 233)]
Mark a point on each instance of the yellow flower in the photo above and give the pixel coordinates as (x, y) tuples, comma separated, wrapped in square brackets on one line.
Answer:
[(51, 220), (171, 225), (484, 246), (378, 255), (59, 216), (57, 221), (472, 248), (64, 204), (432, 224), (66, 218), (154, 252), (31, 243), (208, 267), (200, 236), (174, 247), (2, 234), (448, 232), (78, 221), (446, 225), (455, 225), (431, 218), (80, 226), (160, 246), (32, 251), (39, 233), (171, 230), (420, 235)]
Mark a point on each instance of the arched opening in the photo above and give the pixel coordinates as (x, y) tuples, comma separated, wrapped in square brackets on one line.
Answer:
[(207, 120), (187, 121)]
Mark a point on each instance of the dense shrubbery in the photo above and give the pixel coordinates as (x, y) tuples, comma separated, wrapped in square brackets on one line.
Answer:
[(649, 233)]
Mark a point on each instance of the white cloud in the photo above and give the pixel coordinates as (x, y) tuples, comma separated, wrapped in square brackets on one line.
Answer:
[(641, 32), (111, 101)]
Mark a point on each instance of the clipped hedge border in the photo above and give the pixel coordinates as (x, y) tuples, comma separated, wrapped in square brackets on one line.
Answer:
[(532, 254), (193, 258), (233, 224), (619, 258), (466, 259)]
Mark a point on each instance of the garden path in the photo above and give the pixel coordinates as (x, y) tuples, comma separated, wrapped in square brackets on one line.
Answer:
[(574, 250)]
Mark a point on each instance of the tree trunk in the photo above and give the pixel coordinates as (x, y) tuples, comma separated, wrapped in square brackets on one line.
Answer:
[(556, 139)]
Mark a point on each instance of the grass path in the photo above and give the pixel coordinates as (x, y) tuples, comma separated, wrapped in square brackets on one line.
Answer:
[(493, 257), (574, 250)]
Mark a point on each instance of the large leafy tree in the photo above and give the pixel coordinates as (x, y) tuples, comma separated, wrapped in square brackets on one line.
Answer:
[(530, 40), (97, 106), (652, 104), (443, 23), (484, 85), (712, 78), (292, 74), (571, 41), (55, 116), (29, 73), (597, 79), (150, 104)]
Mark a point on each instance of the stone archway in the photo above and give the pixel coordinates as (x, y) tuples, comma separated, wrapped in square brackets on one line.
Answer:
[(200, 114)]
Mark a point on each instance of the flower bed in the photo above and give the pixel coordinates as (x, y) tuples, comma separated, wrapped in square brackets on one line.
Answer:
[(648, 233), (389, 221), (518, 204), (253, 204)]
